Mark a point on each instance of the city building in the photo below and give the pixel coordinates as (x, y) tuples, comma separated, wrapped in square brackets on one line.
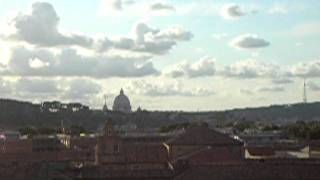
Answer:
[(117, 152)]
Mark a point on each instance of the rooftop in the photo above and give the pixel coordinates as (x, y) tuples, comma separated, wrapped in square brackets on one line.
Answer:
[(202, 136)]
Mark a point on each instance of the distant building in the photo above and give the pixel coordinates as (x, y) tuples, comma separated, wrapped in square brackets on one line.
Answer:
[(133, 153), (139, 109), (56, 106), (121, 103), (48, 144), (9, 135), (105, 107), (203, 145)]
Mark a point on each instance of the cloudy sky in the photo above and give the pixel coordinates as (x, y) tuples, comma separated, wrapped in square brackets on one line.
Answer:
[(166, 55)]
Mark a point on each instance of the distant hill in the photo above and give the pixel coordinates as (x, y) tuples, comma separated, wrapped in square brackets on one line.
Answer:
[(15, 114)]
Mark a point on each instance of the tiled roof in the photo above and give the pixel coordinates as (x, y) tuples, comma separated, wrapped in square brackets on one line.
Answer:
[(145, 153), (202, 136), (212, 155), (144, 139), (99, 172), (260, 151), (252, 171), (84, 143)]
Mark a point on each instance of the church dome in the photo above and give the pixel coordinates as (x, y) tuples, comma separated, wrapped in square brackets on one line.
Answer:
[(121, 103)]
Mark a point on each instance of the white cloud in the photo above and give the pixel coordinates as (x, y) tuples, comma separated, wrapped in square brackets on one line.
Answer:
[(251, 69), (159, 41), (37, 63), (278, 8), (147, 39), (203, 67), (249, 41), (245, 69), (82, 90), (168, 89), (40, 27), (306, 69), (69, 63)]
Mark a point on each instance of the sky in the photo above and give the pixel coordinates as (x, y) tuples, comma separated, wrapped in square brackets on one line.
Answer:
[(166, 55)]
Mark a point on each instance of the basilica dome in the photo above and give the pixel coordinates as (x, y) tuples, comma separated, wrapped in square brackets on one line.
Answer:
[(121, 103)]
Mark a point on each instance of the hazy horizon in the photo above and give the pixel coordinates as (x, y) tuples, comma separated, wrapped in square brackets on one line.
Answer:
[(166, 55)]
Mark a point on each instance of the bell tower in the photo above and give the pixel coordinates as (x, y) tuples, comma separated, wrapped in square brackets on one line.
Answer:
[(109, 130), (108, 149)]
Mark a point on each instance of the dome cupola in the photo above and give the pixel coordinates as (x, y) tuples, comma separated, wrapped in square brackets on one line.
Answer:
[(121, 103)]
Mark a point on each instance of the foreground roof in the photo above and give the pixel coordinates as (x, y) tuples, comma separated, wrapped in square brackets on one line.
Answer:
[(202, 136)]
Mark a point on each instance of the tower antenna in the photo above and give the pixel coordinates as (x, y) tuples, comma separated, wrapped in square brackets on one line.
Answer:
[(304, 91), (105, 99)]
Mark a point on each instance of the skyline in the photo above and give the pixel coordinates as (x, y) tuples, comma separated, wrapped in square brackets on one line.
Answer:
[(166, 55)]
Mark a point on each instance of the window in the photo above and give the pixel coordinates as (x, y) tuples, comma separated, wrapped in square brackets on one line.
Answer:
[(109, 132), (116, 148)]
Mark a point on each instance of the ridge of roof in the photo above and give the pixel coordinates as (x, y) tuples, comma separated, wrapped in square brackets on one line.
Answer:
[(202, 136)]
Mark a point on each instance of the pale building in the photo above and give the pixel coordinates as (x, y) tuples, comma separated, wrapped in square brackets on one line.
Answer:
[(121, 103)]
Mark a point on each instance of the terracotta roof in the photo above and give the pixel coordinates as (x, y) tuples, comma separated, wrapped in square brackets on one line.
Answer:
[(202, 136), (145, 153), (84, 143), (212, 155), (99, 172), (260, 151), (251, 171), (144, 139)]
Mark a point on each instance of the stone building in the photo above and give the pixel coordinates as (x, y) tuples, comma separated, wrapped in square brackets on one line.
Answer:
[(118, 152), (202, 145), (122, 103)]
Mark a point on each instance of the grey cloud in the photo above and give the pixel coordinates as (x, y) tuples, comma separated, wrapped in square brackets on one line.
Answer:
[(5, 87), (201, 68), (251, 69), (249, 41), (246, 69), (264, 89), (313, 86), (37, 86), (176, 89), (282, 81), (81, 88), (161, 6), (232, 11), (306, 69), (70, 63), (116, 4), (247, 92), (40, 27), (271, 89), (39, 89)]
